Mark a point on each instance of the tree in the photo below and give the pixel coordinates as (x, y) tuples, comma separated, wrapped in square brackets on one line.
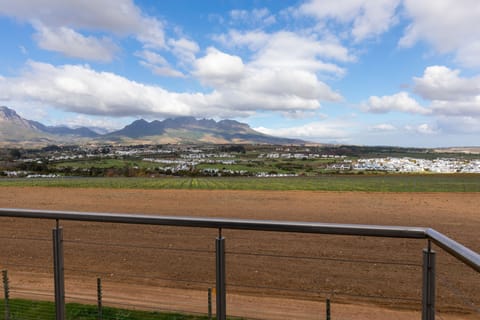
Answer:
[(15, 153)]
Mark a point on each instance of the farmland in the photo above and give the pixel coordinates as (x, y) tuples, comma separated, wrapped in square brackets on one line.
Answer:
[(153, 262), (371, 183), (270, 276)]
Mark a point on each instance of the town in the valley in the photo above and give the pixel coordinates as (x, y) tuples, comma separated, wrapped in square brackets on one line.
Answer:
[(230, 160)]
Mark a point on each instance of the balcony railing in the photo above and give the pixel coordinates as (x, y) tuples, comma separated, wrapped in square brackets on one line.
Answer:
[(460, 252)]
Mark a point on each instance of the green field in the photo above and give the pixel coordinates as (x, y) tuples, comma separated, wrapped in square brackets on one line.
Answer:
[(103, 164), (39, 310), (370, 183)]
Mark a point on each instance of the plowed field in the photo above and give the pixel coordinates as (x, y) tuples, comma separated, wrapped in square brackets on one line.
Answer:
[(269, 275)]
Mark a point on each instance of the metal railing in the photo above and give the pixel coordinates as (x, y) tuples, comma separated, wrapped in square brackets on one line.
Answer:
[(462, 253)]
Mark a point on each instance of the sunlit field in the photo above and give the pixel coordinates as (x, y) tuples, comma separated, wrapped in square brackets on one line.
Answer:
[(370, 183)]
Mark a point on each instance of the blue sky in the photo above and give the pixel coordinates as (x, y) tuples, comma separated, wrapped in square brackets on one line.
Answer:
[(386, 72)]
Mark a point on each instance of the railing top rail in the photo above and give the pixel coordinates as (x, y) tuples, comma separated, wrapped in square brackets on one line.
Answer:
[(221, 223), (456, 249), (466, 255)]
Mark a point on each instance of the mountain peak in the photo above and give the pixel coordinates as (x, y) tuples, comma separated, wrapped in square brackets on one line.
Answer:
[(190, 130), (8, 114), (15, 129), (139, 122), (11, 117)]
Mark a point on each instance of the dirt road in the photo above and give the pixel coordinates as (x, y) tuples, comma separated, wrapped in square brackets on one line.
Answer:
[(270, 275)]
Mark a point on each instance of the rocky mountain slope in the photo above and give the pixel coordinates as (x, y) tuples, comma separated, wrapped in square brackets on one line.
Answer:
[(15, 130)]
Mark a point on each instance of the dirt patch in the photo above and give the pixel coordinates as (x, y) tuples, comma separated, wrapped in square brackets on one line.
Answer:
[(269, 273)]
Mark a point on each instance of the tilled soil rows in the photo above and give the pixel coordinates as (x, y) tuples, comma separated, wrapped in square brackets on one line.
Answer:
[(271, 275)]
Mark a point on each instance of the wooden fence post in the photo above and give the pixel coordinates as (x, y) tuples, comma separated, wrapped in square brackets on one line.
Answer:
[(209, 303), (99, 299), (328, 309), (6, 290)]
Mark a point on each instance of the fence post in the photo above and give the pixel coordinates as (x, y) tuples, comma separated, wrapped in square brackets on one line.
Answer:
[(428, 290), (58, 269), (6, 290), (209, 303), (220, 273), (328, 309), (99, 298)]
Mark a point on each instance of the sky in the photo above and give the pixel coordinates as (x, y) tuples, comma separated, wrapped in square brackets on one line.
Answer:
[(364, 72)]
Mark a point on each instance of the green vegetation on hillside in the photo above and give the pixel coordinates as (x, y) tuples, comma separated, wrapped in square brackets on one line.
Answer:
[(160, 161)]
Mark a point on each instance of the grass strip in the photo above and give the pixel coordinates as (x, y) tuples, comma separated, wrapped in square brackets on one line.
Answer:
[(367, 183), (44, 310)]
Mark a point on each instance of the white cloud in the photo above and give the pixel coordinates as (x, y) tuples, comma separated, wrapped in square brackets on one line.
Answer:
[(250, 86), (382, 127), (451, 26), (469, 53), (316, 131), (253, 40), (288, 50), (157, 64), (401, 102), (90, 122), (238, 14), (151, 57), (450, 93), (150, 33), (163, 71), (424, 129), (457, 108), (285, 83), (302, 114), (184, 49), (442, 83), (219, 68), (73, 44), (366, 18), (120, 17), (80, 89), (256, 17), (459, 124)]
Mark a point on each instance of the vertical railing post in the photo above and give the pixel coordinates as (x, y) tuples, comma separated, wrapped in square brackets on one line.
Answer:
[(6, 290), (428, 290), (220, 272), (58, 269)]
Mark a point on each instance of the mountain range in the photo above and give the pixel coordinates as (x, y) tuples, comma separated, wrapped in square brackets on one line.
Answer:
[(15, 130)]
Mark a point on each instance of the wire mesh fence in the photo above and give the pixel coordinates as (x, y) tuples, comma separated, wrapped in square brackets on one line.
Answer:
[(26, 261), (153, 270), (458, 289), (159, 272), (314, 268)]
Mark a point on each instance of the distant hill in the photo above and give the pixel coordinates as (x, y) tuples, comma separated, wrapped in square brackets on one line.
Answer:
[(191, 130), (15, 130), (9, 117), (64, 130)]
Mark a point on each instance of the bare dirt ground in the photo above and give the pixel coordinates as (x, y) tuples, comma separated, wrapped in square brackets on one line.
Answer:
[(269, 275)]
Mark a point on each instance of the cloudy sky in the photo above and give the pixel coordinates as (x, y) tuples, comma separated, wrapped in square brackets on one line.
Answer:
[(384, 72)]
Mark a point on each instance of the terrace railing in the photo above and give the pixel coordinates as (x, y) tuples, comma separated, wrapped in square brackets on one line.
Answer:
[(460, 252)]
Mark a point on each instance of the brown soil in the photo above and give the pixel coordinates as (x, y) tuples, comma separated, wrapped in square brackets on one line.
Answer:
[(366, 278)]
